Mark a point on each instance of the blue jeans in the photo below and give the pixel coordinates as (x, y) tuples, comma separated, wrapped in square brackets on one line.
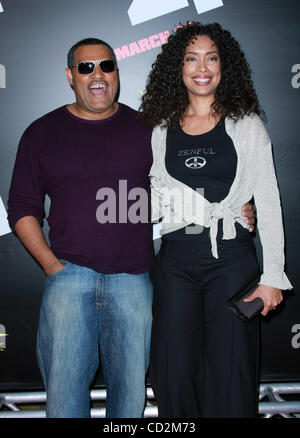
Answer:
[(83, 311)]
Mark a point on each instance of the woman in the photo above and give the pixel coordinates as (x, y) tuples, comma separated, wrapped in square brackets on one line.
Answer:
[(208, 134)]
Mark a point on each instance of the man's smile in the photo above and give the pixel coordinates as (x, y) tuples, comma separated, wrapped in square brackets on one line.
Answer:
[(98, 88)]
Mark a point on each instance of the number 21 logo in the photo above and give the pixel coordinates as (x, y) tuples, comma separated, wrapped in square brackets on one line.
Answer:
[(144, 10)]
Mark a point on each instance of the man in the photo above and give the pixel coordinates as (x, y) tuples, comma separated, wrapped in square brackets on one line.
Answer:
[(97, 284), (98, 294)]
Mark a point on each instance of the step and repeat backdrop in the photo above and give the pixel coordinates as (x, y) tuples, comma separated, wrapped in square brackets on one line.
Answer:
[(35, 37)]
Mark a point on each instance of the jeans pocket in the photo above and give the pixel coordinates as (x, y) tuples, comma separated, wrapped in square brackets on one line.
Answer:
[(54, 274)]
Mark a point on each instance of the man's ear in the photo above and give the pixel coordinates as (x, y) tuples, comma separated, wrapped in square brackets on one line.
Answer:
[(69, 77)]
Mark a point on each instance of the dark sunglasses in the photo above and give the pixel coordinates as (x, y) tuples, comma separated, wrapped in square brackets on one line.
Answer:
[(88, 67)]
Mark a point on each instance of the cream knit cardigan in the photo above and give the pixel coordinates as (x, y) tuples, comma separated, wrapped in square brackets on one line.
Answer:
[(255, 177)]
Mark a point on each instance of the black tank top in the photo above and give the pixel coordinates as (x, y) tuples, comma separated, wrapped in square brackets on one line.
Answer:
[(208, 162)]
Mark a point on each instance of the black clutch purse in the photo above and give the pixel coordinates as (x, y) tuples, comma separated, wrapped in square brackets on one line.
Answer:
[(246, 311)]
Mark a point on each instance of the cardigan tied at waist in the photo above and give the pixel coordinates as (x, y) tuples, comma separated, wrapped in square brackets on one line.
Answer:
[(218, 211)]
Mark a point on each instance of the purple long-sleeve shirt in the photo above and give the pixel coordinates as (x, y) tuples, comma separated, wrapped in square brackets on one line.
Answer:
[(71, 159)]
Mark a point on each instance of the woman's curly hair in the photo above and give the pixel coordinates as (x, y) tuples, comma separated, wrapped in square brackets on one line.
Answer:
[(166, 98)]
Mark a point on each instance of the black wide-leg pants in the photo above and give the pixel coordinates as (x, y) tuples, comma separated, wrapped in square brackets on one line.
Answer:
[(203, 358)]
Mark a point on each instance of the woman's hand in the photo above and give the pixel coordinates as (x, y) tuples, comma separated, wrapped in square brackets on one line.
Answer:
[(271, 297)]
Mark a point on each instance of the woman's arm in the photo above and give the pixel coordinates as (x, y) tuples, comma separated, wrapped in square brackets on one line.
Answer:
[(269, 221)]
